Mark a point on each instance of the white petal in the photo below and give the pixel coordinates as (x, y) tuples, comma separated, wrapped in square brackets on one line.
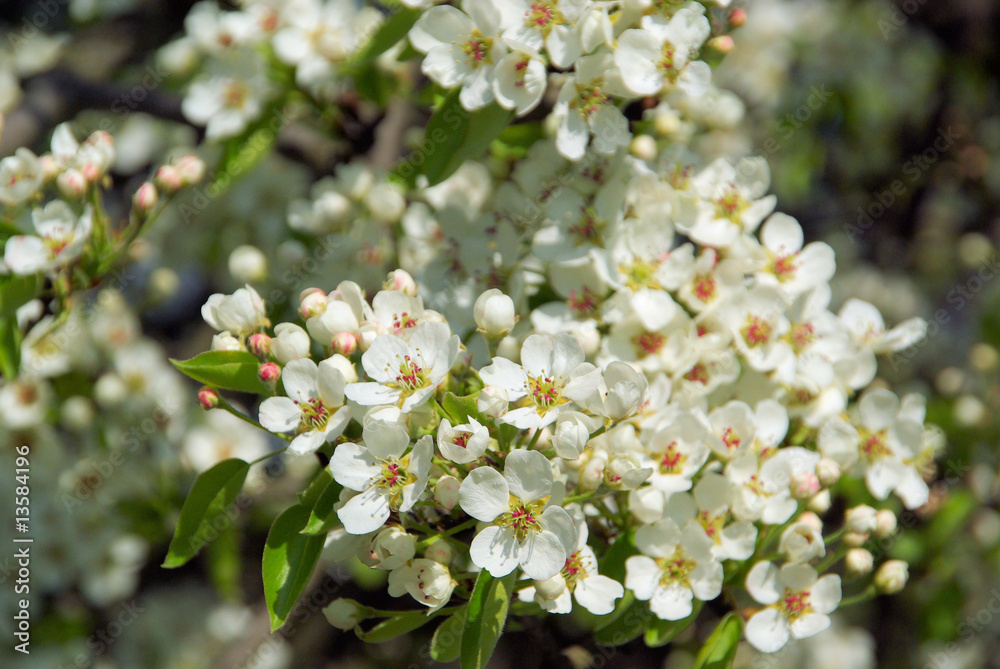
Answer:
[(365, 512), (598, 593), (642, 575), (484, 494), (353, 466), (542, 556), (825, 594), (307, 442), (767, 631), (495, 549), (809, 624), (671, 602), (529, 475), (279, 414), (371, 394), (762, 583), (299, 379)]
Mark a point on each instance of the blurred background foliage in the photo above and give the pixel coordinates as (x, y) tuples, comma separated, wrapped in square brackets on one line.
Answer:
[(881, 124)]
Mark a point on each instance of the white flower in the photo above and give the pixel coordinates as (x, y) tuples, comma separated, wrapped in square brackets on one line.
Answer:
[(427, 581), (801, 542), (21, 176), (463, 443), (797, 602), (494, 313), (462, 48), (392, 547), (578, 578), (316, 37), (553, 374), (387, 479), (547, 24), (242, 312), (678, 451), (314, 406), (585, 108), (795, 268), (25, 401), (523, 532), (227, 98), (730, 201), (60, 239), (519, 81), (247, 263), (676, 566), (658, 54), (290, 342), (406, 372), (620, 393)]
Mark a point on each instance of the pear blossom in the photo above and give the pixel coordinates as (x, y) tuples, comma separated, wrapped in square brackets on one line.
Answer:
[(523, 531), (795, 268), (405, 372), (519, 80), (730, 201), (427, 581), (659, 54), (548, 24), (463, 443), (314, 405), (798, 603), (388, 477), (553, 374), (462, 48), (290, 342), (242, 313), (675, 567), (60, 239), (21, 176), (584, 108)]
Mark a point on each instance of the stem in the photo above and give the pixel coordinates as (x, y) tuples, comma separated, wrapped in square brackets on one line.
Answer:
[(863, 596), (573, 499), (447, 533), (223, 404), (268, 455)]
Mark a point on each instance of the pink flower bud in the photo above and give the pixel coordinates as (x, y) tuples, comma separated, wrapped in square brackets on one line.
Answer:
[(401, 280), (50, 167), (168, 179), (72, 184), (145, 198), (312, 302), (260, 345), (208, 398), (190, 168), (91, 172), (805, 485), (723, 44), (269, 372), (737, 17), (446, 491), (345, 343)]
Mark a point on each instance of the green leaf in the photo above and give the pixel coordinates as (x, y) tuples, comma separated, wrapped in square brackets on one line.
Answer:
[(322, 517), (719, 650), (390, 628), (460, 408), (229, 370), (10, 347), (453, 136), (241, 154), (661, 632), (317, 486), (390, 32), (210, 499), (16, 291), (446, 644), (289, 560), (627, 622), (613, 562), (487, 613)]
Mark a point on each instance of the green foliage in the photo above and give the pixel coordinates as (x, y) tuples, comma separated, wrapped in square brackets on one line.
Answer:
[(289, 560), (487, 613), (228, 370), (719, 650)]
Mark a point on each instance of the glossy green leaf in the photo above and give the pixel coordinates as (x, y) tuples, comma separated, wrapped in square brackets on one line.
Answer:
[(390, 628), (289, 560), (322, 516), (459, 408), (661, 632), (228, 370), (446, 644), (207, 510), (719, 650), (627, 622), (487, 613), (385, 37), (16, 291)]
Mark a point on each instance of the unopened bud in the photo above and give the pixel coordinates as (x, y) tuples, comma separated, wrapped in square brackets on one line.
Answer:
[(494, 313), (723, 44), (344, 343), (827, 471), (855, 539), (492, 401), (805, 485), (168, 179), (247, 264), (859, 561), (820, 502), (190, 169), (737, 17), (344, 614), (260, 345), (269, 373), (145, 198), (71, 184), (885, 523), (643, 147), (860, 519), (446, 491), (891, 577), (90, 172), (50, 167), (208, 398), (440, 551), (312, 302), (400, 279)]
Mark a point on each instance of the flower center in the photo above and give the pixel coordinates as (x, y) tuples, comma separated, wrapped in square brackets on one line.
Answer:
[(522, 518), (795, 604), (672, 460), (314, 415), (542, 16), (573, 570), (676, 569), (704, 288), (640, 274), (873, 445), (589, 100), (410, 376), (545, 391), (648, 343), (785, 267), (698, 374), (802, 336), (393, 477), (402, 321), (583, 302), (731, 439), (463, 439), (477, 49), (588, 227), (756, 332), (712, 525), (730, 204)]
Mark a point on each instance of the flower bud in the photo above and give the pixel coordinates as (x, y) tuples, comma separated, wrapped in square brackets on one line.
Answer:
[(145, 198), (723, 44), (167, 179), (71, 184), (855, 539), (76, 413), (269, 373), (247, 264), (385, 203), (260, 345), (392, 548), (290, 342), (226, 342), (552, 588), (804, 485), (312, 302), (446, 491), (891, 577), (802, 542), (208, 398), (827, 471), (50, 167), (400, 279), (859, 561), (190, 168), (571, 435), (440, 551), (820, 502), (494, 313), (344, 343), (885, 523), (110, 390), (860, 519), (812, 520), (492, 401), (737, 17), (643, 147), (344, 614)]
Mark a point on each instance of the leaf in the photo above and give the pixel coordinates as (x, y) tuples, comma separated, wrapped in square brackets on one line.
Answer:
[(719, 650), (317, 486), (229, 370), (322, 517), (613, 562), (385, 37), (460, 408), (487, 613), (10, 347), (210, 499), (241, 154), (628, 621), (391, 628), (16, 291), (289, 560), (661, 632), (453, 136), (446, 644)]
